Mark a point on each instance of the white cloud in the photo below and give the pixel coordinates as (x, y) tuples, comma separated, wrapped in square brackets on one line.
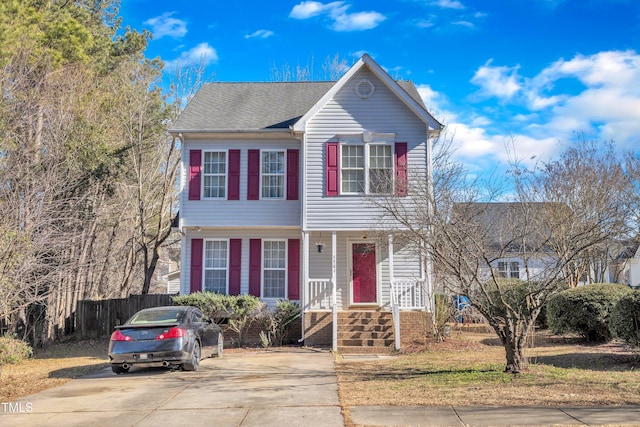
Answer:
[(201, 54), (262, 34), (165, 25), (337, 13), (447, 4), (501, 82)]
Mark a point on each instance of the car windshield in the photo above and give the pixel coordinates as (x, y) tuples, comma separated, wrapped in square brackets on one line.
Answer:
[(169, 315)]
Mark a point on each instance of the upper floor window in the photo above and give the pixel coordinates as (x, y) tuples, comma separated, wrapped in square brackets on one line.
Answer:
[(216, 261), (273, 174), (366, 169), (214, 174)]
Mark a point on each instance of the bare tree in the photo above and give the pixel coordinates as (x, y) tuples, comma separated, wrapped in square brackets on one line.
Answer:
[(469, 239)]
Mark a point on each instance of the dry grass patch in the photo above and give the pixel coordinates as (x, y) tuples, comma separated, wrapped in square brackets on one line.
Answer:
[(467, 370), (50, 367)]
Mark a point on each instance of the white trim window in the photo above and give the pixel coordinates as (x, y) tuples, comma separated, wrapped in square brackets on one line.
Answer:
[(272, 170), (366, 168), (214, 173), (509, 270), (274, 268), (216, 263)]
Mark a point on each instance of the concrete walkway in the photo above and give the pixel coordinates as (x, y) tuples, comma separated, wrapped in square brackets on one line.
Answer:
[(492, 416), (275, 388)]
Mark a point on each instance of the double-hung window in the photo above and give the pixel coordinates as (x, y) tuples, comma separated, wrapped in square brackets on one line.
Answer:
[(214, 172), (216, 262), (274, 268), (273, 174), (366, 168), (509, 270)]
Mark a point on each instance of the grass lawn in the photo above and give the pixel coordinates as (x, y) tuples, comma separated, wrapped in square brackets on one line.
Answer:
[(52, 366), (467, 370)]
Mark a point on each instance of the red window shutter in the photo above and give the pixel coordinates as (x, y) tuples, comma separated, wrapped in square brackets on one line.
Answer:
[(293, 166), (401, 168), (253, 178), (196, 265), (235, 265), (255, 266), (233, 179), (195, 173), (332, 169), (293, 266)]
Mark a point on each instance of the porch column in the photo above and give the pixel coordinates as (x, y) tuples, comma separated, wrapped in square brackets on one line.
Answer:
[(394, 305), (304, 297), (334, 292)]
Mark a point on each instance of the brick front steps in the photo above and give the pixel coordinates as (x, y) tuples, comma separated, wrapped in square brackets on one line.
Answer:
[(365, 332)]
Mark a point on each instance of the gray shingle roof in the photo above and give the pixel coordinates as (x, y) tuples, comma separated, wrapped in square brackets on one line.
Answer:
[(256, 106)]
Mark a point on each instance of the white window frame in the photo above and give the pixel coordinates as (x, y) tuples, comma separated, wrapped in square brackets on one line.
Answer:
[(225, 175), (285, 269), (366, 152), (205, 269), (283, 174), (513, 270), (506, 270)]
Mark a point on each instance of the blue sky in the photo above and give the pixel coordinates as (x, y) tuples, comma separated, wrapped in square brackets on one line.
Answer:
[(533, 73)]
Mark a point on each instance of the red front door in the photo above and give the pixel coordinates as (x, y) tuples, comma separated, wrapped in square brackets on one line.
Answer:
[(364, 272)]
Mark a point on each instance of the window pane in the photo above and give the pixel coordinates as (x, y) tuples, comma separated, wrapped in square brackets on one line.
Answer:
[(215, 281), (514, 272), (274, 284), (353, 181), (273, 162), (380, 156), (380, 181), (352, 156), (272, 186)]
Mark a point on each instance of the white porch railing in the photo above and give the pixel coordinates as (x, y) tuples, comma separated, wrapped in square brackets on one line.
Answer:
[(319, 294), (408, 294)]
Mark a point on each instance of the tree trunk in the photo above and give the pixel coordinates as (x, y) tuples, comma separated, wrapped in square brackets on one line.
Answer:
[(515, 358)]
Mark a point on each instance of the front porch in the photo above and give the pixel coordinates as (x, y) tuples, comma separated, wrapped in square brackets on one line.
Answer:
[(362, 295)]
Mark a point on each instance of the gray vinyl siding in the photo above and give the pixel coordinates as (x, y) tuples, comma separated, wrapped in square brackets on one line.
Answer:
[(406, 264), (246, 235), (347, 114), (243, 212)]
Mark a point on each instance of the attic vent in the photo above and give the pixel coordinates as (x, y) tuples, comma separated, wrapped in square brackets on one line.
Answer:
[(364, 89)]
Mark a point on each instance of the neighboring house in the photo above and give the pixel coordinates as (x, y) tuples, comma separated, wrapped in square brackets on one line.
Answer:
[(275, 184), (512, 236)]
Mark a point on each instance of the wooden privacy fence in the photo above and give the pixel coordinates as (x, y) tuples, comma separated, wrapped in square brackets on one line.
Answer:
[(97, 318)]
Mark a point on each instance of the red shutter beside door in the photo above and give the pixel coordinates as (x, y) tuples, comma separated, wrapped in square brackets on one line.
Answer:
[(255, 266), (332, 169), (233, 183), (292, 174), (196, 265), (195, 167), (401, 168), (235, 265), (293, 267), (253, 178)]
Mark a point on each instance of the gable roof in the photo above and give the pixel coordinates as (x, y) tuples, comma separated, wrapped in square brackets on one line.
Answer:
[(416, 106), (263, 106)]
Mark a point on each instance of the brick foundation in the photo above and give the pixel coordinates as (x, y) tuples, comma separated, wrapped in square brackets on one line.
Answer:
[(318, 329), (252, 335)]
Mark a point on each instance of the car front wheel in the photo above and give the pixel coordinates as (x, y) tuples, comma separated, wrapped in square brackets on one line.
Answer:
[(194, 363)]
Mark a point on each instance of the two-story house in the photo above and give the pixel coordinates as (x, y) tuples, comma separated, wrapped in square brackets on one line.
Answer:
[(275, 198)]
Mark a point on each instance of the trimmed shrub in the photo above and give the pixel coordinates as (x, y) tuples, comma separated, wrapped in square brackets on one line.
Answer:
[(238, 311), (585, 310), (513, 291), (13, 350), (625, 319)]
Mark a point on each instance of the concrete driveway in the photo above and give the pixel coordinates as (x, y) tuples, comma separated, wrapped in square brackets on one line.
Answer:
[(274, 388)]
